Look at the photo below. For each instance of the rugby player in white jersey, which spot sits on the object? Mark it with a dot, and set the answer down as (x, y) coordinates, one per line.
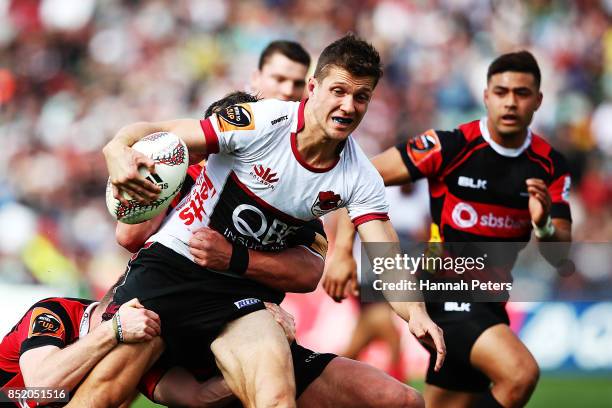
(274, 166)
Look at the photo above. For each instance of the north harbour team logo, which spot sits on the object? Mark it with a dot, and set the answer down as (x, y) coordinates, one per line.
(326, 201)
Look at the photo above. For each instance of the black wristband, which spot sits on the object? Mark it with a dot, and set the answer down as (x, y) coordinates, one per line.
(239, 262)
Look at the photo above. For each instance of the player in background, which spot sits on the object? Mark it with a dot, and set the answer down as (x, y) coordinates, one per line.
(281, 71)
(339, 94)
(490, 180)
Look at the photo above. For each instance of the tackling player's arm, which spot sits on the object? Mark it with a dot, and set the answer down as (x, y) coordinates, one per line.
(123, 161)
(133, 236)
(49, 364)
(295, 269)
(419, 322)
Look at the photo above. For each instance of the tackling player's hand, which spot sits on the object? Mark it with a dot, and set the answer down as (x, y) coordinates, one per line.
(427, 332)
(210, 249)
(539, 201)
(138, 324)
(340, 270)
(284, 318)
(123, 163)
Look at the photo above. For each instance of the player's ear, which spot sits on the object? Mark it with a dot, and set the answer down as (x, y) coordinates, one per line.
(312, 84)
(540, 98)
(485, 96)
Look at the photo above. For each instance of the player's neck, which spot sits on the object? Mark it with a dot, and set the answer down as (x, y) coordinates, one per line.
(314, 146)
(512, 141)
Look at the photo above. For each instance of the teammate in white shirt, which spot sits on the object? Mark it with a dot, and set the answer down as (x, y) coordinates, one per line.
(276, 165)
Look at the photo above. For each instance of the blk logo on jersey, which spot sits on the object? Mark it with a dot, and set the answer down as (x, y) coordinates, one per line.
(44, 322)
(423, 146)
(264, 175)
(456, 307)
(326, 201)
(236, 117)
(469, 182)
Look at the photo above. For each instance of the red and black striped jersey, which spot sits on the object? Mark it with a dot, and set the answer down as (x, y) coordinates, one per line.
(477, 187)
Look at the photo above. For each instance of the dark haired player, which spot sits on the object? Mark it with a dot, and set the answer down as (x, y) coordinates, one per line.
(482, 172)
(281, 71)
(319, 169)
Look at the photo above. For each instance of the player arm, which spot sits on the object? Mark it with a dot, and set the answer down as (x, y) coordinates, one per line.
(295, 269)
(419, 323)
(551, 217)
(123, 161)
(44, 362)
(133, 236)
(51, 366)
(391, 167)
(340, 268)
(292, 270)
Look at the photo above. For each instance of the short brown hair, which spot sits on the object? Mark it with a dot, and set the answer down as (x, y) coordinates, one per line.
(356, 56)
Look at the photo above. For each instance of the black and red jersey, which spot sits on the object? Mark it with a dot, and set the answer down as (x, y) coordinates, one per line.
(477, 187)
(55, 322)
(49, 322)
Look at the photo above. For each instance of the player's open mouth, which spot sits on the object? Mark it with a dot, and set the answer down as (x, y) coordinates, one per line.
(342, 121)
(509, 118)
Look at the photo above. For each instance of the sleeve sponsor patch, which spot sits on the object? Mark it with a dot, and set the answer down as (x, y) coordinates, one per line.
(421, 147)
(236, 117)
(43, 322)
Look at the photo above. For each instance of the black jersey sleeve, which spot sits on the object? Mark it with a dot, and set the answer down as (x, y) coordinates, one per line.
(428, 154)
(312, 236)
(49, 325)
(559, 187)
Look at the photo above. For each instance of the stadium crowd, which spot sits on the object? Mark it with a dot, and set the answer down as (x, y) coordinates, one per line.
(72, 72)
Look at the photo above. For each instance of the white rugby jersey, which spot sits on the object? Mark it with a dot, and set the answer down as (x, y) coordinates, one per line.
(257, 190)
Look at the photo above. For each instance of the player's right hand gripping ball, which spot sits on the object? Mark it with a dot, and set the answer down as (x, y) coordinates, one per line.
(171, 161)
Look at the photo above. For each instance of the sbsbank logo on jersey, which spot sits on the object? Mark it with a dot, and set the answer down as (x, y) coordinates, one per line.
(465, 216)
(257, 231)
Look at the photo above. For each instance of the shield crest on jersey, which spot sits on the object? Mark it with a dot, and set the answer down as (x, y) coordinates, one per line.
(326, 201)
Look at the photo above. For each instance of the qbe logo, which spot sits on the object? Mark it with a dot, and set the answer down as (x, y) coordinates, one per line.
(464, 215)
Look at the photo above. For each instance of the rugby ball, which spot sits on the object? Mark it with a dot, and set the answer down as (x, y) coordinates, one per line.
(171, 161)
